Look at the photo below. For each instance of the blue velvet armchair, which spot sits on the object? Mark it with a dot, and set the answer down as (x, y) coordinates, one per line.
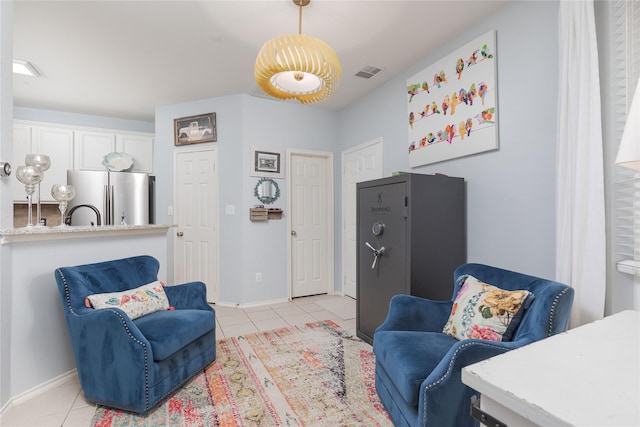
(418, 367)
(134, 364)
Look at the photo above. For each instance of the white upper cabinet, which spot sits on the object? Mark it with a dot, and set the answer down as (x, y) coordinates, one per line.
(57, 143)
(140, 147)
(74, 147)
(92, 146)
(21, 147)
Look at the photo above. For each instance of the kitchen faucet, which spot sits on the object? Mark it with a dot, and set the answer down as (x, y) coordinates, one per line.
(67, 219)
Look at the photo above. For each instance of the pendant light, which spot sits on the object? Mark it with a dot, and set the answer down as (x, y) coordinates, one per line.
(298, 66)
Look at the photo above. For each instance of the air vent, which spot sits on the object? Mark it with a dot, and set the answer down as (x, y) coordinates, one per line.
(258, 92)
(368, 71)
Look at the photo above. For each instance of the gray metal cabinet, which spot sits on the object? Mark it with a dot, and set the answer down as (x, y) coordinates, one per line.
(411, 235)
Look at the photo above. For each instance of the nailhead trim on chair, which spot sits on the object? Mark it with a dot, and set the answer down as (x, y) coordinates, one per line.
(553, 310)
(66, 290)
(446, 374)
(124, 323)
(453, 357)
(144, 347)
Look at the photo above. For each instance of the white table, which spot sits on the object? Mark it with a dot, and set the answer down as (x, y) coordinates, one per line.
(588, 376)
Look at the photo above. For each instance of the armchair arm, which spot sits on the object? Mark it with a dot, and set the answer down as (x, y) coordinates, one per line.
(107, 345)
(444, 383)
(191, 295)
(411, 313)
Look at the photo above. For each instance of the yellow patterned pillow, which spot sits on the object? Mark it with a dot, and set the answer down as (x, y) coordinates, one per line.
(486, 312)
(136, 302)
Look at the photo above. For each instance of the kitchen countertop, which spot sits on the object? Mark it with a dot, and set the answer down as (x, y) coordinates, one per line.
(30, 234)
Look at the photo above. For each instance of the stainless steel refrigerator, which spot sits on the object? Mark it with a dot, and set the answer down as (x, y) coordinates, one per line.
(119, 198)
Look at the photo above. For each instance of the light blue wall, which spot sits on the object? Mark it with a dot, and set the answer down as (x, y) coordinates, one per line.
(282, 125)
(85, 120)
(245, 247)
(229, 145)
(510, 192)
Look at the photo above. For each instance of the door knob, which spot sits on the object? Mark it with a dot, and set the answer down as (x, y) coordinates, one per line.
(293, 233)
(180, 233)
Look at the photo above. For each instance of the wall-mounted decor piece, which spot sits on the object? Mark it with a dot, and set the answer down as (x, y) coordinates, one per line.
(452, 104)
(195, 129)
(264, 214)
(266, 162)
(266, 190)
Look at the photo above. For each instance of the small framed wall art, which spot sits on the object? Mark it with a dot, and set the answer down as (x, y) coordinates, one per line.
(267, 162)
(195, 129)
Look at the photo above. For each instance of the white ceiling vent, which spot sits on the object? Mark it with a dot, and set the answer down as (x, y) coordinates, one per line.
(258, 92)
(368, 71)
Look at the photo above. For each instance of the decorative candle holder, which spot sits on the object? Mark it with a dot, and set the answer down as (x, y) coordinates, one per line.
(29, 176)
(43, 162)
(63, 193)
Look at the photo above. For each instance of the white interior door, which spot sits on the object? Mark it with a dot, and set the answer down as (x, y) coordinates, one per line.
(359, 164)
(311, 223)
(196, 216)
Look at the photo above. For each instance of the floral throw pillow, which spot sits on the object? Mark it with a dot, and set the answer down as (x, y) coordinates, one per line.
(486, 312)
(135, 302)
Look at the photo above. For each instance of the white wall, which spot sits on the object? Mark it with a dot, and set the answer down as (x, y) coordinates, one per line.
(620, 285)
(510, 192)
(6, 210)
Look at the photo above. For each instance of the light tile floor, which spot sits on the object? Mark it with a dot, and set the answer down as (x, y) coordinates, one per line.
(65, 405)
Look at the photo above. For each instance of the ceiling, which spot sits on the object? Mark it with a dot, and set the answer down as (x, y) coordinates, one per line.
(123, 58)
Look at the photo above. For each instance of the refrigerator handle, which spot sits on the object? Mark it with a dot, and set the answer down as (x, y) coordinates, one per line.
(112, 216)
(107, 202)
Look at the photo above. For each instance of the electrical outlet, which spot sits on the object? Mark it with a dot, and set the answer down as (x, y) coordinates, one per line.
(258, 277)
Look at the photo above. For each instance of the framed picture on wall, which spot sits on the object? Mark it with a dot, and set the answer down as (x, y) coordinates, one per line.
(195, 129)
(267, 162)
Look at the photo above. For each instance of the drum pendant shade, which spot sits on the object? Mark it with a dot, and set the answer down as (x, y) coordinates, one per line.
(295, 66)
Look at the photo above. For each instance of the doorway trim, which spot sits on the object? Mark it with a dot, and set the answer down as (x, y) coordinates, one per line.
(215, 208)
(376, 142)
(328, 156)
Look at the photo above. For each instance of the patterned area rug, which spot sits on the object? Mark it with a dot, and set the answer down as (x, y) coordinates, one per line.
(312, 375)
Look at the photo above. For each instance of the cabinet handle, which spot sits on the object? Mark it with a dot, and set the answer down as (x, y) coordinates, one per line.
(180, 234)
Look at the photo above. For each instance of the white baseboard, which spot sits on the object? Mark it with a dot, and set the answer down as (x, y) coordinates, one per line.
(39, 389)
(268, 302)
(256, 304)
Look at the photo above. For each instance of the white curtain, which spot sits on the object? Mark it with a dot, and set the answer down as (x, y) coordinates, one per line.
(580, 210)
